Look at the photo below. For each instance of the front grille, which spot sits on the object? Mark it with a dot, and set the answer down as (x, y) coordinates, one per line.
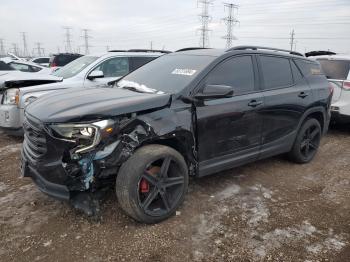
(34, 144)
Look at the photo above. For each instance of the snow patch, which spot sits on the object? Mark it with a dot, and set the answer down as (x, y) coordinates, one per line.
(3, 186)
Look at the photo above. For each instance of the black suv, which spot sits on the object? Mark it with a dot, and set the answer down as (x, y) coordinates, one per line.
(60, 60)
(191, 113)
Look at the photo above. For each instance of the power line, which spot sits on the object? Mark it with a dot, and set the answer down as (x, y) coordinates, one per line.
(205, 18)
(25, 47)
(68, 39)
(86, 40)
(230, 22)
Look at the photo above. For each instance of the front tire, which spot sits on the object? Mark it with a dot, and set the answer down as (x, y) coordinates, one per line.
(307, 142)
(152, 183)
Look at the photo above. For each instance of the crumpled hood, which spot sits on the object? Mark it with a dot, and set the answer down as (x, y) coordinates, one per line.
(10, 79)
(85, 104)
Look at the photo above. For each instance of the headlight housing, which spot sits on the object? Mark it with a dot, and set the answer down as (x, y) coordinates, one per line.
(85, 136)
(11, 97)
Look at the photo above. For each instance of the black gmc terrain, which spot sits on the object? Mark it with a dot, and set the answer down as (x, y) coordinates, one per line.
(189, 113)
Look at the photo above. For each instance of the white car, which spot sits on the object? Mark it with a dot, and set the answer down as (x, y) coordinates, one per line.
(337, 70)
(43, 60)
(25, 66)
(86, 71)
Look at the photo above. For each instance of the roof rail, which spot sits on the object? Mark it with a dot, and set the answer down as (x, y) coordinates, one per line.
(116, 50)
(149, 51)
(191, 48)
(245, 47)
(317, 53)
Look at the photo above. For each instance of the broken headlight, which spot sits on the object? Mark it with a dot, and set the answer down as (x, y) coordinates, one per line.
(85, 136)
(11, 97)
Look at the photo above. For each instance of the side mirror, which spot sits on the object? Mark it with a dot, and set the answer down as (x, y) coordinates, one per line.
(215, 91)
(96, 74)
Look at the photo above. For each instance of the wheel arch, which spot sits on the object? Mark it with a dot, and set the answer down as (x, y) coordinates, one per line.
(319, 113)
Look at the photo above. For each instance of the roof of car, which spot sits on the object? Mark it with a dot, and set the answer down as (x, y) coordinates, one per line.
(112, 54)
(219, 52)
(333, 57)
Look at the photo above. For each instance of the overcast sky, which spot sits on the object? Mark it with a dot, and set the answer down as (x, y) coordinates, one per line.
(318, 24)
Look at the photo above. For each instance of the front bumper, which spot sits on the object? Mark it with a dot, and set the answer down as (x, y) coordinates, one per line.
(54, 190)
(11, 117)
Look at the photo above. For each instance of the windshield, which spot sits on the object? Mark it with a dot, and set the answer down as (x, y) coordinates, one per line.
(335, 69)
(167, 74)
(75, 67)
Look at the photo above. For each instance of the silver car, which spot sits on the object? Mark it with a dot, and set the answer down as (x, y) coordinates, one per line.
(87, 71)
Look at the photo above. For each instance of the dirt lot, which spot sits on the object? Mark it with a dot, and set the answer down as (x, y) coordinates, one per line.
(271, 210)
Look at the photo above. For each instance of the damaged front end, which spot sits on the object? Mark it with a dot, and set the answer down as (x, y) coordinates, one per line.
(84, 158)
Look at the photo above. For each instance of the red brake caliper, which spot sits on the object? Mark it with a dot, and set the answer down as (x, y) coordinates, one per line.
(144, 186)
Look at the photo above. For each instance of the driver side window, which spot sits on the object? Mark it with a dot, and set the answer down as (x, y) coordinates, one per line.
(114, 67)
(236, 72)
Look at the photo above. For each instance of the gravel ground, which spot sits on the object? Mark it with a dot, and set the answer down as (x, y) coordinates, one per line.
(271, 210)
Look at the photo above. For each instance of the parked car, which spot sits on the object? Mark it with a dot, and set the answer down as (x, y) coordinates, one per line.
(4, 67)
(43, 60)
(337, 70)
(190, 113)
(59, 60)
(25, 66)
(87, 71)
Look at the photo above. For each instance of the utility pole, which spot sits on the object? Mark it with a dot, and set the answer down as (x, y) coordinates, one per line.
(68, 39)
(230, 22)
(107, 48)
(151, 43)
(38, 48)
(15, 49)
(2, 46)
(86, 40)
(205, 18)
(292, 39)
(25, 47)
(58, 49)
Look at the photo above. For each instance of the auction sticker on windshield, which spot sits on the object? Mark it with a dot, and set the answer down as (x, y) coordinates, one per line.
(185, 72)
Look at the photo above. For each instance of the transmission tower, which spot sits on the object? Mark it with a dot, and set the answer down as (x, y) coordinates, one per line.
(15, 49)
(25, 47)
(2, 47)
(230, 22)
(205, 18)
(68, 39)
(38, 48)
(292, 39)
(86, 40)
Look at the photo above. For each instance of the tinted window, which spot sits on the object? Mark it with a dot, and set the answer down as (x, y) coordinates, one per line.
(42, 60)
(308, 68)
(335, 69)
(296, 72)
(114, 67)
(276, 71)
(75, 67)
(62, 60)
(21, 67)
(5, 67)
(169, 73)
(137, 62)
(237, 72)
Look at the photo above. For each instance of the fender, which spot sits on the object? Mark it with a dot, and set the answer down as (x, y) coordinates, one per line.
(317, 109)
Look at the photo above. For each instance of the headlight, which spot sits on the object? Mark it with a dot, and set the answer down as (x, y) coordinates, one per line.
(11, 97)
(85, 136)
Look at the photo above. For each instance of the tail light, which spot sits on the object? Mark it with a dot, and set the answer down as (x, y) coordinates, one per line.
(53, 64)
(346, 85)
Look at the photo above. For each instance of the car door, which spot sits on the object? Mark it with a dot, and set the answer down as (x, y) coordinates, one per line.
(112, 68)
(229, 129)
(287, 96)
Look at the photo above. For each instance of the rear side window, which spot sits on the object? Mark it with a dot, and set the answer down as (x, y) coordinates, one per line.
(309, 68)
(5, 67)
(276, 71)
(137, 62)
(237, 72)
(42, 60)
(335, 69)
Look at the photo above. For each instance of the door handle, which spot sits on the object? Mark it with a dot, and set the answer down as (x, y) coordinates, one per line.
(255, 103)
(303, 94)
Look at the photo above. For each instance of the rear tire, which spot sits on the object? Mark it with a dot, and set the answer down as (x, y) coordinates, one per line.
(152, 183)
(307, 142)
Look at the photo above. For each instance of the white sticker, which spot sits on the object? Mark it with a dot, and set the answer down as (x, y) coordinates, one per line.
(185, 72)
